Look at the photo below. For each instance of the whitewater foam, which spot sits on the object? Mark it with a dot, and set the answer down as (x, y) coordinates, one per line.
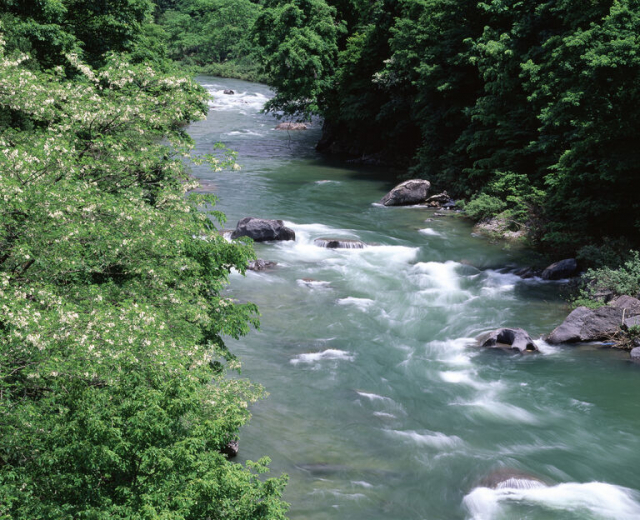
(592, 499)
(329, 354)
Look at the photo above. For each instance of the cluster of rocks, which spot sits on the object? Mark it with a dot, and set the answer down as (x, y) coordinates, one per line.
(557, 271)
(583, 325)
(414, 192)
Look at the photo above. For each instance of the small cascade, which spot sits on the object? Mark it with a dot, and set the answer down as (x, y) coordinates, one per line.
(339, 243)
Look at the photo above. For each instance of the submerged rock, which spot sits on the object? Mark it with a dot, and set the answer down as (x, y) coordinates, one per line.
(509, 478)
(563, 269)
(514, 339)
(228, 91)
(414, 191)
(527, 272)
(585, 324)
(260, 265)
(262, 230)
(291, 126)
(339, 243)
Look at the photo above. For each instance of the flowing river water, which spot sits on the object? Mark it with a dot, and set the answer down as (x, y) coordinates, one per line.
(379, 408)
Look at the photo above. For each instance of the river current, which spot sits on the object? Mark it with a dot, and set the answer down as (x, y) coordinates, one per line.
(379, 406)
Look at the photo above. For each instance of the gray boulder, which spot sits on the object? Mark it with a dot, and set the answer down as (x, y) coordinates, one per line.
(585, 324)
(228, 91)
(261, 230)
(414, 191)
(635, 354)
(562, 269)
(291, 126)
(631, 304)
(439, 200)
(514, 339)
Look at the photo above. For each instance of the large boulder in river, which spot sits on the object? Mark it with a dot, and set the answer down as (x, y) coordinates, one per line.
(261, 230)
(562, 269)
(635, 355)
(414, 191)
(515, 339)
(585, 324)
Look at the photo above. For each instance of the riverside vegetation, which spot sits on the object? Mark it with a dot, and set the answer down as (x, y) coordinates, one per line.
(525, 109)
(114, 395)
(113, 390)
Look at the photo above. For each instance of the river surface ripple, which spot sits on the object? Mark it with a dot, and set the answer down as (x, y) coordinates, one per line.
(378, 406)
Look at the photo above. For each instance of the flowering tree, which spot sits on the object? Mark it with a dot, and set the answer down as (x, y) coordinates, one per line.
(113, 396)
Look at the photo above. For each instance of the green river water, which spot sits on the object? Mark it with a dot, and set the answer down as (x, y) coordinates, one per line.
(379, 408)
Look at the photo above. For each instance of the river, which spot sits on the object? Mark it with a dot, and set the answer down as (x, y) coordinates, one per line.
(378, 408)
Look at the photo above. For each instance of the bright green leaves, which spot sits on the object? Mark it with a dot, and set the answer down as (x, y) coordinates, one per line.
(114, 397)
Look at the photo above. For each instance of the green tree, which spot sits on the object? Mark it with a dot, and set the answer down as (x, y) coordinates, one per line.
(299, 43)
(114, 399)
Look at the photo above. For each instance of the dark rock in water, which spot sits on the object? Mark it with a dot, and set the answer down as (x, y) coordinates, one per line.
(231, 449)
(228, 91)
(585, 324)
(339, 243)
(262, 230)
(635, 354)
(562, 269)
(515, 339)
(449, 205)
(291, 126)
(323, 468)
(439, 200)
(509, 478)
(260, 265)
(527, 272)
(414, 191)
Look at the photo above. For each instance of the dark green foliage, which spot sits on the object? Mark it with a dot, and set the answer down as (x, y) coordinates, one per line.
(48, 29)
(201, 32)
(298, 39)
(476, 91)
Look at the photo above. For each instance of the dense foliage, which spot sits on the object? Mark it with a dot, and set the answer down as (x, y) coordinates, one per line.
(476, 94)
(212, 35)
(114, 395)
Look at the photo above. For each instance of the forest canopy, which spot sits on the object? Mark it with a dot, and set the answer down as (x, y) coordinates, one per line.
(524, 107)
